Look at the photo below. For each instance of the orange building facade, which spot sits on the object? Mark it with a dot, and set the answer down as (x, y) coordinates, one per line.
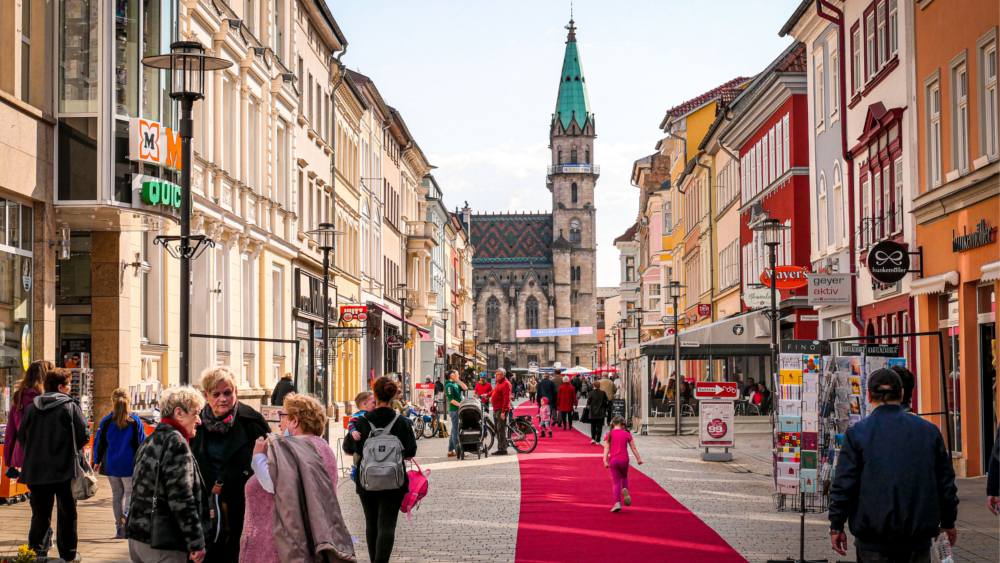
(957, 211)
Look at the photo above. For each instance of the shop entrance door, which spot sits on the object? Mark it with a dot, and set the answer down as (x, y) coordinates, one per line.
(988, 388)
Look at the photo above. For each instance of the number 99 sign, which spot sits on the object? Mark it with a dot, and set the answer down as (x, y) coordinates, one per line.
(715, 423)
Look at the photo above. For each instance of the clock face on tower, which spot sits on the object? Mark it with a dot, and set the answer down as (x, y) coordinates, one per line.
(574, 224)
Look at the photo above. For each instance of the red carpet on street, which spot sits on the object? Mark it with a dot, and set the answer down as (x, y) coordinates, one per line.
(566, 501)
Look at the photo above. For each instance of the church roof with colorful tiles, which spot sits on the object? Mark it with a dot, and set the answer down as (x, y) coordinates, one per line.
(512, 239)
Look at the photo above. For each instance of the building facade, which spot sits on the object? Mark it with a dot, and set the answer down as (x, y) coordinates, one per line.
(537, 271)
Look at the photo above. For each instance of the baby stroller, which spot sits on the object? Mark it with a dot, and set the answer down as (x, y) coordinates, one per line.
(471, 429)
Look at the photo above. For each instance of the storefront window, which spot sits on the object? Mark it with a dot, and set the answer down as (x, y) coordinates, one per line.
(78, 158)
(948, 325)
(126, 58)
(159, 26)
(15, 316)
(73, 275)
(78, 56)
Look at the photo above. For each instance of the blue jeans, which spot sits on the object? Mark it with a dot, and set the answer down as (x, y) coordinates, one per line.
(453, 438)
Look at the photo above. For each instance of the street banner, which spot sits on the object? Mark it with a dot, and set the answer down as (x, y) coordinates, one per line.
(716, 424)
(829, 289)
(543, 332)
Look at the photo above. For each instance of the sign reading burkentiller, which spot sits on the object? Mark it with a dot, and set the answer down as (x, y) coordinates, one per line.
(829, 289)
(888, 261)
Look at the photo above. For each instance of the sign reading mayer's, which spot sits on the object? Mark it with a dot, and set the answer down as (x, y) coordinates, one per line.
(153, 142)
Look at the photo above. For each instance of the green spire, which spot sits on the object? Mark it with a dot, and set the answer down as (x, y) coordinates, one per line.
(572, 100)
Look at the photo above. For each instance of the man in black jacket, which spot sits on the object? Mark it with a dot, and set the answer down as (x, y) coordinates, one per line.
(894, 482)
(283, 387)
(547, 390)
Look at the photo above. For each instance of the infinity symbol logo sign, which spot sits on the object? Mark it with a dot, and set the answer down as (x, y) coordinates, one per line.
(882, 258)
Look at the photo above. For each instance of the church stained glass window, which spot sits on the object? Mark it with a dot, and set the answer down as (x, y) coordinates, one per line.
(531, 312)
(493, 318)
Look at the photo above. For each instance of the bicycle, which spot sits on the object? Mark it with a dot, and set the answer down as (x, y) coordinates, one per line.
(521, 433)
(419, 418)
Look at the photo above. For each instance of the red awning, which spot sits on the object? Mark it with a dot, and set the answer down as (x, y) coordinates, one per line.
(419, 328)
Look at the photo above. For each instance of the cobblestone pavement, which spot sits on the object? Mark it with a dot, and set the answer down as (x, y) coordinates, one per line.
(472, 511)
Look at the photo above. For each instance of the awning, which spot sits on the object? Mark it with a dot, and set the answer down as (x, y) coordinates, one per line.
(991, 272)
(392, 313)
(734, 336)
(933, 284)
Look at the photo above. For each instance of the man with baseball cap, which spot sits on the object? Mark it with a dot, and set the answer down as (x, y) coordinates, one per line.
(894, 482)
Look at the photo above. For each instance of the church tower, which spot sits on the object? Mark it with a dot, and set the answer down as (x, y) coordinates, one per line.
(571, 179)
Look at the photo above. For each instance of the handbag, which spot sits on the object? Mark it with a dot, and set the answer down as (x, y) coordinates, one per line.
(585, 417)
(84, 484)
(576, 416)
(164, 532)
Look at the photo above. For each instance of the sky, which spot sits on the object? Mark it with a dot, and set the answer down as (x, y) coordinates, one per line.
(476, 83)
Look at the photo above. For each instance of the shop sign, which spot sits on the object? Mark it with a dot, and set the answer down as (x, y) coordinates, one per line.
(888, 262)
(828, 289)
(161, 192)
(150, 141)
(738, 330)
(852, 350)
(26, 274)
(690, 344)
(354, 312)
(309, 294)
(26, 347)
(715, 424)
(882, 350)
(786, 277)
(395, 342)
(545, 332)
(704, 310)
(880, 290)
(801, 347)
(713, 390)
(757, 298)
(439, 336)
(982, 235)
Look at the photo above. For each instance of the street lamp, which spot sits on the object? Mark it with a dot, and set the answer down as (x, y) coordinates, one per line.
(675, 293)
(326, 240)
(445, 313)
(187, 62)
(496, 354)
(637, 315)
(607, 349)
(463, 326)
(401, 289)
(770, 231)
(475, 336)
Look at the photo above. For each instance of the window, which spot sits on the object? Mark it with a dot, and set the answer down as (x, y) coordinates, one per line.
(654, 297)
(152, 290)
(248, 298)
(26, 51)
(668, 226)
(866, 214)
(278, 37)
(277, 306)
(221, 289)
(629, 269)
(281, 164)
(229, 151)
(559, 157)
(822, 238)
(870, 44)
(988, 142)
(887, 211)
(572, 156)
(820, 96)
(493, 318)
(893, 28)
(838, 207)
(933, 105)
(787, 146)
(587, 153)
(882, 43)
(960, 116)
(574, 193)
(834, 84)
(897, 176)
(779, 149)
(877, 205)
(531, 312)
(248, 16)
(253, 164)
(856, 62)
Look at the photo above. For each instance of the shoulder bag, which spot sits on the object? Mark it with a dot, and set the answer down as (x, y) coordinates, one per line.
(84, 484)
(164, 532)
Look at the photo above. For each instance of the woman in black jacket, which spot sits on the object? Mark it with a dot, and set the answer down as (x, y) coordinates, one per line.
(48, 431)
(224, 448)
(381, 507)
(597, 404)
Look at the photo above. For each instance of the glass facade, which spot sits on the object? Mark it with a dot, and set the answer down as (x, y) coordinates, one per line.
(16, 279)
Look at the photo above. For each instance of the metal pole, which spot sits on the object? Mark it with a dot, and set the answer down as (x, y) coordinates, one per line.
(327, 383)
(677, 372)
(186, 132)
(406, 339)
(445, 340)
(773, 259)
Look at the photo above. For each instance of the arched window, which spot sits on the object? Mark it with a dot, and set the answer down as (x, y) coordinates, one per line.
(587, 153)
(578, 276)
(823, 235)
(559, 157)
(838, 207)
(531, 312)
(572, 274)
(572, 156)
(574, 193)
(493, 318)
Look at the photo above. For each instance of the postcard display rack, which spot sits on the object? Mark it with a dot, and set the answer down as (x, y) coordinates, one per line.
(81, 388)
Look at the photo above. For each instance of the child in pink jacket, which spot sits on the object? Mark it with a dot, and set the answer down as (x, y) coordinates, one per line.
(545, 418)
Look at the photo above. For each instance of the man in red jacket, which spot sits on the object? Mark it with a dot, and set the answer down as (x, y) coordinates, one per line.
(566, 404)
(501, 406)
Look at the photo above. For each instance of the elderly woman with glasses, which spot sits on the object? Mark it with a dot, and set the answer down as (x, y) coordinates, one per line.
(182, 523)
(224, 448)
(294, 485)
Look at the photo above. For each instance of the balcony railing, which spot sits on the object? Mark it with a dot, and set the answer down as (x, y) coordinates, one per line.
(575, 169)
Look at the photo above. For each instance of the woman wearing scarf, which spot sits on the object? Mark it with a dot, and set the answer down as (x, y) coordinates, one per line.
(224, 448)
(293, 515)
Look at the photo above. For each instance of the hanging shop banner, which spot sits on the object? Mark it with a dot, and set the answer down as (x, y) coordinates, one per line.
(543, 332)
(151, 141)
(354, 312)
(758, 298)
(829, 289)
(787, 277)
(882, 350)
(715, 424)
(888, 261)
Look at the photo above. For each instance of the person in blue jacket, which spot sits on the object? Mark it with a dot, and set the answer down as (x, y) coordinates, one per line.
(117, 441)
(894, 481)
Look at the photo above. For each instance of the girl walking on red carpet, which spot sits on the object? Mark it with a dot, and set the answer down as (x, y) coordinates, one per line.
(616, 445)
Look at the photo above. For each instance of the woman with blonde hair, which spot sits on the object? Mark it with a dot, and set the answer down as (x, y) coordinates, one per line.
(118, 437)
(295, 485)
(27, 389)
(224, 448)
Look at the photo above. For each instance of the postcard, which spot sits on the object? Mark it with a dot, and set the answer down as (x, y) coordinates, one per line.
(788, 486)
(841, 410)
(789, 457)
(791, 377)
(854, 419)
(790, 423)
(788, 471)
(791, 392)
(790, 362)
(810, 382)
(810, 441)
(810, 421)
(789, 408)
(810, 363)
(856, 385)
(810, 401)
(855, 405)
(808, 480)
(789, 439)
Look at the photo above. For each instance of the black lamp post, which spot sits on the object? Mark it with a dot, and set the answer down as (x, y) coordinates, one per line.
(475, 337)
(496, 354)
(770, 230)
(637, 316)
(445, 313)
(187, 62)
(675, 294)
(463, 326)
(402, 289)
(326, 240)
(607, 349)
